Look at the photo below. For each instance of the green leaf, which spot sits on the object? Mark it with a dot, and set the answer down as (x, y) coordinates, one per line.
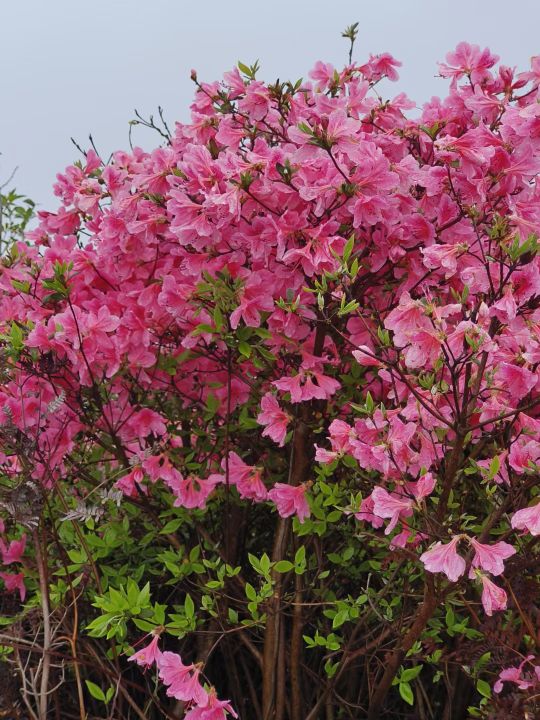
(189, 606)
(347, 250)
(339, 618)
(411, 673)
(251, 593)
(244, 349)
(494, 467)
(405, 690)
(483, 688)
(283, 566)
(95, 691)
(244, 68)
(171, 527)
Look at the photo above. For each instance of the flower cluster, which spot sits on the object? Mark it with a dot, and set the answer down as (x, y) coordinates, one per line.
(304, 291)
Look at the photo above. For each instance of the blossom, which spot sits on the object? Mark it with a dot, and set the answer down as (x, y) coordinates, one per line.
(275, 419)
(424, 486)
(445, 559)
(247, 478)
(14, 581)
(182, 680)
(147, 655)
(527, 519)
(491, 557)
(517, 381)
(14, 552)
(366, 513)
(493, 597)
(192, 491)
(390, 506)
(214, 709)
(469, 60)
(516, 675)
(308, 385)
(290, 500)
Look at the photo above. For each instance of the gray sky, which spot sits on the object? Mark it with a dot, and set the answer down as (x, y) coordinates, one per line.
(71, 67)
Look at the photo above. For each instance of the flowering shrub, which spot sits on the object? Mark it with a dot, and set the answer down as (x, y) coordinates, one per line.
(270, 401)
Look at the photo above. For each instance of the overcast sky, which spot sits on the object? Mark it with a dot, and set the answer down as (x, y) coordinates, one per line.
(70, 68)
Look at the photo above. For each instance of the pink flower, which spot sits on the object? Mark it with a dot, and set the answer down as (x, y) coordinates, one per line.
(491, 557)
(308, 385)
(517, 381)
(379, 66)
(131, 483)
(183, 680)
(390, 506)
(146, 422)
(468, 60)
(528, 519)
(365, 356)
(323, 73)
(515, 675)
(444, 558)
(14, 552)
(275, 419)
(290, 499)
(366, 514)
(423, 487)
(247, 478)
(193, 492)
(214, 709)
(493, 597)
(147, 655)
(443, 257)
(14, 582)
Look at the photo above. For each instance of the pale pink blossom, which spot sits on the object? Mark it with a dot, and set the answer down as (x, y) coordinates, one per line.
(491, 557)
(182, 680)
(445, 559)
(527, 519)
(493, 597)
(392, 506)
(147, 655)
(517, 676)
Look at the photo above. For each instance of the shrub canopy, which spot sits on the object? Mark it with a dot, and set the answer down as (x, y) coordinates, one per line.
(270, 395)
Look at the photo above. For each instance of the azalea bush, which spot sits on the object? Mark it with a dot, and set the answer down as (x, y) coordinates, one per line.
(270, 421)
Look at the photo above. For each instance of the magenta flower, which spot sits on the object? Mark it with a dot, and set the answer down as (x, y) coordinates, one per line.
(491, 557)
(275, 419)
(445, 559)
(14, 552)
(14, 581)
(308, 385)
(214, 709)
(493, 597)
(290, 499)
